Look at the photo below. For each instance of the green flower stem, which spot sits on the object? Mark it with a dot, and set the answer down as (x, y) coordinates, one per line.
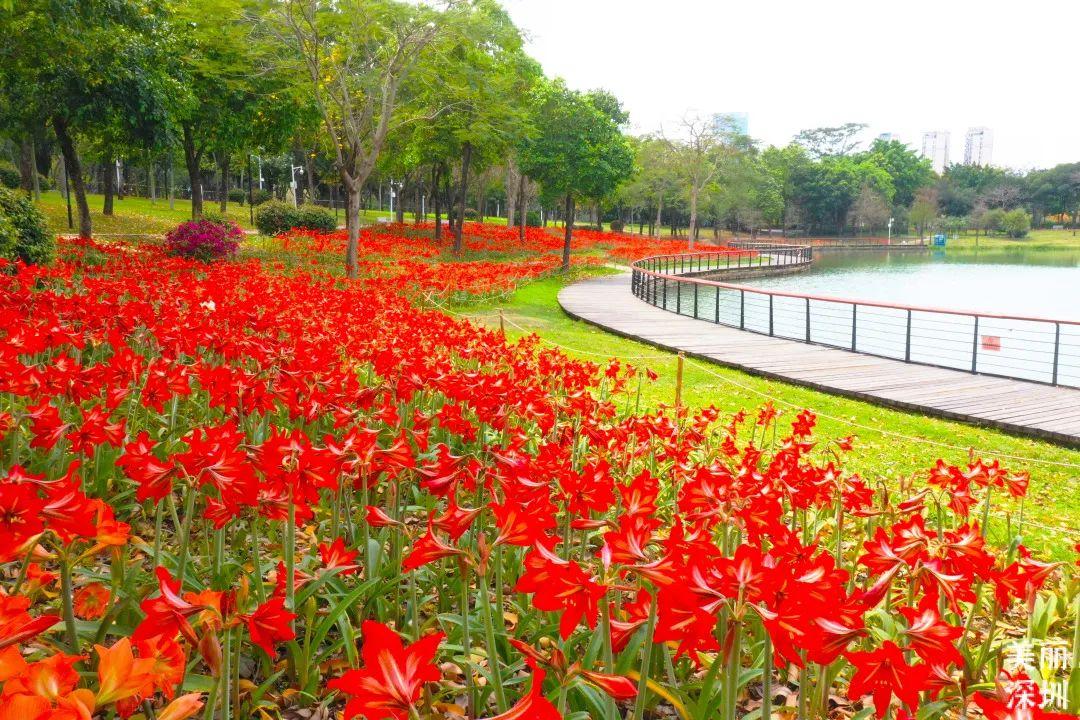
(766, 676)
(68, 594)
(185, 533)
(609, 655)
(646, 661)
(492, 649)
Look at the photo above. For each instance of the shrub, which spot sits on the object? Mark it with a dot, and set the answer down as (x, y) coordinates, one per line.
(617, 226)
(532, 218)
(259, 196)
(24, 233)
(9, 175)
(471, 214)
(206, 239)
(313, 217)
(237, 195)
(274, 217)
(1016, 223)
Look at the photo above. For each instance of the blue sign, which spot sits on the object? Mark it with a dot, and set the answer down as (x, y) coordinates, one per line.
(939, 240)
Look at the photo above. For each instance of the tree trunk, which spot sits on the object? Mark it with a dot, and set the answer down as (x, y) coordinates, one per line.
(599, 219)
(26, 165)
(151, 181)
(121, 172)
(223, 183)
(511, 188)
(352, 223)
(73, 168)
(418, 199)
(109, 177)
(523, 211)
(435, 198)
(691, 231)
(35, 179)
(568, 223)
(399, 211)
(466, 157)
(654, 230)
(192, 157)
(309, 170)
(169, 187)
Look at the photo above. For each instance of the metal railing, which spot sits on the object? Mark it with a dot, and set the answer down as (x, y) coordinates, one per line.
(1040, 349)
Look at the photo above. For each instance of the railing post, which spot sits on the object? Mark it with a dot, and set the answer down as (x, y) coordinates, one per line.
(717, 305)
(907, 339)
(742, 309)
(678, 297)
(770, 314)
(665, 292)
(695, 300)
(807, 319)
(975, 346)
(854, 316)
(1057, 349)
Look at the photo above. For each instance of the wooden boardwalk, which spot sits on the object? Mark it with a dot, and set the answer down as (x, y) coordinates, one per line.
(1017, 406)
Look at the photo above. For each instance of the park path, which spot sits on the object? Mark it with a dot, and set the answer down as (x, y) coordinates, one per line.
(1016, 406)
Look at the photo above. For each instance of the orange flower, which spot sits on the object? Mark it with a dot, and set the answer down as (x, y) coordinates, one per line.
(182, 707)
(91, 601)
(120, 674)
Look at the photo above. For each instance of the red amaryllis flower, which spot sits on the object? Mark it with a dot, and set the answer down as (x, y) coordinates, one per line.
(561, 586)
(270, 623)
(336, 557)
(168, 613)
(428, 549)
(16, 624)
(393, 675)
(883, 673)
(533, 706)
(931, 637)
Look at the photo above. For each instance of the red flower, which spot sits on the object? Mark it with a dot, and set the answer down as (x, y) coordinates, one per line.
(270, 623)
(393, 675)
(883, 673)
(533, 706)
(561, 586)
(336, 557)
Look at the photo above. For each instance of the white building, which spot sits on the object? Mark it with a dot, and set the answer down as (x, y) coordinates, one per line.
(978, 146)
(935, 145)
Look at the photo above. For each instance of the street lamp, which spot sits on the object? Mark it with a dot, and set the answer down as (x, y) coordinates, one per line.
(292, 184)
(890, 230)
(392, 196)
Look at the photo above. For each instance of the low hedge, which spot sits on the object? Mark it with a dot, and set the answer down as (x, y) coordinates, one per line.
(274, 217)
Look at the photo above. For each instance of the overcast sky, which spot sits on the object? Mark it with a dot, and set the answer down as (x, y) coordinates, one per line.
(901, 67)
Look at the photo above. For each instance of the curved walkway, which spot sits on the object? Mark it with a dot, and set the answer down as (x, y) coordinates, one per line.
(1017, 406)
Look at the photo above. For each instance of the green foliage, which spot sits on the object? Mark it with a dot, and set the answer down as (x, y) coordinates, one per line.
(577, 149)
(259, 196)
(274, 217)
(532, 218)
(9, 175)
(1016, 223)
(24, 234)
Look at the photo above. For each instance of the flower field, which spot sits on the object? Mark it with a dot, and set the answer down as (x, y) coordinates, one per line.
(251, 488)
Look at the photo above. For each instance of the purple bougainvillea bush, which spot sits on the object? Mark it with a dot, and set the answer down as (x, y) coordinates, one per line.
(205, 240)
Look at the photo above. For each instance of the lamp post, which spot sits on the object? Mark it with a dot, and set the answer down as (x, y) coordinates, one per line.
(392, 196)
(292, 183)
(890, 230)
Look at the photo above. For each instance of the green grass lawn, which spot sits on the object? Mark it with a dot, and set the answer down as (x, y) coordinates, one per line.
(1036, 240)
(1054, 499)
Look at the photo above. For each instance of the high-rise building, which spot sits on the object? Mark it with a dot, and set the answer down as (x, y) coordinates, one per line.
(978, 146)
(887, 136)
(738, 122)
(935, 145)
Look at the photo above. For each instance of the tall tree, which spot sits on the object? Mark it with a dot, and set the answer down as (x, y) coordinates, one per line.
(697, 156)
(355, 55)
(576, 152)
(831, 141)
(81, 65)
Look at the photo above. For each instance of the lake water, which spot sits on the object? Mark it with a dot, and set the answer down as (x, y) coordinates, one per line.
(1042, 284)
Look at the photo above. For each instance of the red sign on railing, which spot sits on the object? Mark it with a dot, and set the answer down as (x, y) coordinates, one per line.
(991, 342)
